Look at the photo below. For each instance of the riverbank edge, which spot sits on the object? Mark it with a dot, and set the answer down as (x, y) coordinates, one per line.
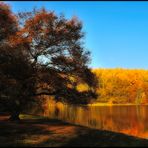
(63, 134)
(100, 104)
(110, 104)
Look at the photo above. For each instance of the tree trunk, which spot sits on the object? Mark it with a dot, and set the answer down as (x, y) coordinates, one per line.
(14, 116)
(15, 112)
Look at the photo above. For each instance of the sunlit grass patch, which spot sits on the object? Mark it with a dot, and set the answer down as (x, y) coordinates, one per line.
(27, 116)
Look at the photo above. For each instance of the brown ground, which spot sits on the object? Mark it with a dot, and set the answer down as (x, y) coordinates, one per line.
(37, 131)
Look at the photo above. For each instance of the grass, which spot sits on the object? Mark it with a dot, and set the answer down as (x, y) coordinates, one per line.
(39, 131)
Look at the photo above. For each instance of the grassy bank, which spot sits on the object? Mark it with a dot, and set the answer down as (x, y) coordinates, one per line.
(39, 131)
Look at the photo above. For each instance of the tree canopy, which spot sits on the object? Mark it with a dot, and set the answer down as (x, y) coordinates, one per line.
(42, 54)
(122, 86)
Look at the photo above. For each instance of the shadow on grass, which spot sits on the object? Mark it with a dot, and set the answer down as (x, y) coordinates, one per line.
(85, 137)
(96, 138)
(54, 133)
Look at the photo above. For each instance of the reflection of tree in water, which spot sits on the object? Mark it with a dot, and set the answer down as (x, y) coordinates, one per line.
(122, 119)
(57, 111)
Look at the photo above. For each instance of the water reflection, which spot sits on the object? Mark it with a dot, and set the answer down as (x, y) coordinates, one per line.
(131, 120)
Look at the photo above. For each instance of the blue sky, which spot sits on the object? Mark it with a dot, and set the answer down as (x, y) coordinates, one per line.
(116, 32)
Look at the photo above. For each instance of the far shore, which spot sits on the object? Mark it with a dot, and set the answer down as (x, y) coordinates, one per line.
(111, 104)
(104, 104)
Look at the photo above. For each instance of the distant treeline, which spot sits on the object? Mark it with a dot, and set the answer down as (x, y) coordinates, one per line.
(122, 86)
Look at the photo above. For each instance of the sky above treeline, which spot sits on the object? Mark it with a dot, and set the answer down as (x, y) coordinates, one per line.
(116, 33)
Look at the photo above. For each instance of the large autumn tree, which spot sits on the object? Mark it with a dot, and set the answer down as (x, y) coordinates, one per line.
(42, 54)
(15, 66)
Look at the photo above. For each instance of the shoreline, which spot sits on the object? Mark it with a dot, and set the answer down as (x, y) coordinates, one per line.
(101, 104)
(109, 104)
(40, 131)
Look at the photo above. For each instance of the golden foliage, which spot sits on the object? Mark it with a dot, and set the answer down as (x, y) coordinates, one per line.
(122, 85)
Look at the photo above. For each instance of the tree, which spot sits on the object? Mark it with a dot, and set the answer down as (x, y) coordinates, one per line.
(8, 59)
(45, 56)
(8, 22)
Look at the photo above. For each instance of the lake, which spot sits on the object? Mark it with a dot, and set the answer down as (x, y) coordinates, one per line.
(131, 120)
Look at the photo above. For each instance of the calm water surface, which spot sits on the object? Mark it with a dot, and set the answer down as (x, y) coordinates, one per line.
(132, 120)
